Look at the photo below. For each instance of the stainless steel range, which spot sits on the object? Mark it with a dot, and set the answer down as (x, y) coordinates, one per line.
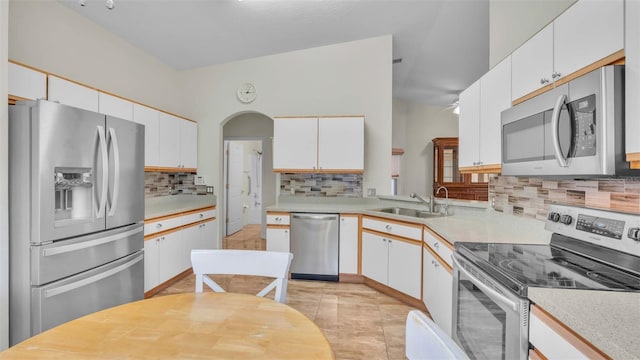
(589, 249)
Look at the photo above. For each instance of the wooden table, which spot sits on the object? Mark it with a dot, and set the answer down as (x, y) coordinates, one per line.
(184, 326)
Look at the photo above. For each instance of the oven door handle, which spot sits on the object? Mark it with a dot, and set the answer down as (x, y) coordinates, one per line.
(484, 287)
(555, 130)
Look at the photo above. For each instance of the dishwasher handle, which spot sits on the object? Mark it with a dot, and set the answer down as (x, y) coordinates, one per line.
(319, 217)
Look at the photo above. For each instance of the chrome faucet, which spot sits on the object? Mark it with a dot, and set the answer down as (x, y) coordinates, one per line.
(431, 202)
(446, 204)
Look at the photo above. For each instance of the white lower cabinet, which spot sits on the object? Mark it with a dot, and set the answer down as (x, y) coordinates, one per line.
(348, 258)
(392, 262)
(278, 239)
(207, 235)
(437, 290)
(151, 276)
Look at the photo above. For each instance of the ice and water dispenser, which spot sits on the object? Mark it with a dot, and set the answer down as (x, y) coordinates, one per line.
(73, 194)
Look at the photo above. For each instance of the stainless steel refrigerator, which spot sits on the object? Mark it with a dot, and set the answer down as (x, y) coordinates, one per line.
(76, 183)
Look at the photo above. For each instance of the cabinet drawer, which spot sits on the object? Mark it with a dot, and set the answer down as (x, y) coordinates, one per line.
(198, 216)
(394, 228)
(439, 246)
(278, 219)
(163, 225)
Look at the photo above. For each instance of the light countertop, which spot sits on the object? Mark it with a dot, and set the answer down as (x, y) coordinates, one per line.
(608, 320)
(166, 205)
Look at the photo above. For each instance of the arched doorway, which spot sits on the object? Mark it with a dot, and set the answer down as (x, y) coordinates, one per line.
(247, 172)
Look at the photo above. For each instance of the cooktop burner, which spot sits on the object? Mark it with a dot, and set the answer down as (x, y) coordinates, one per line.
(589, 249)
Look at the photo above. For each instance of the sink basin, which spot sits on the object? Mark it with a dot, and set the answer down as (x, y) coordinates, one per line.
(408, 212)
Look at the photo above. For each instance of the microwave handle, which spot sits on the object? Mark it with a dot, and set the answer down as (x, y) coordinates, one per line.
(555, 125)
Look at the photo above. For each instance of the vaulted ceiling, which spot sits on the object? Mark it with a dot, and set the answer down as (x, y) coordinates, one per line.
(443, 44)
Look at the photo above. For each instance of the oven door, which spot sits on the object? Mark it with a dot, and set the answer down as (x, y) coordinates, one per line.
(489, 321)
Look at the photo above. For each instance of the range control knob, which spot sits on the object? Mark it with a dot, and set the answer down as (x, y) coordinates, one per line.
(554, 216)
(566, 219)
(634, 234)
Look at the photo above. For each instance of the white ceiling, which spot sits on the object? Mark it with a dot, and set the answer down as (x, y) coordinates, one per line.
(444, 44)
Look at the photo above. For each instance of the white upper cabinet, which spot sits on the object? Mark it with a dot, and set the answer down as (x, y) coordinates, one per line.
(495, 96)
(588, 31)
(72, 94)
(169, 141)
(178, 142)
(115, 106)
(532, 63)
(341, 143)
(632, 78)
(150, 119)
(295, 143)
(331, 144)
(469, 126)
(26, 83)
(189, 144)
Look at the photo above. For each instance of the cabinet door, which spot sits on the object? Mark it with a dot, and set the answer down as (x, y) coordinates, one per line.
(169, 140)
(26, 83)
(115, 106)
(587, 32)
(405, 267)
(341, 143)
(348, 261)
(151, 278)
(170, 256)
(295, 143)
(532, 63)
(551, 343)
(632, 77)
(72, 94)
(469, 125)
(495, 96)
(278, 240)
(189, 144)
(208, 235)
(437, 291)
(375, 257)
(150, 119)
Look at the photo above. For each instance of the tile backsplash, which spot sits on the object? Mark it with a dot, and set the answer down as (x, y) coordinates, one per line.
(530, 197)
(321, 185)
(163, 184)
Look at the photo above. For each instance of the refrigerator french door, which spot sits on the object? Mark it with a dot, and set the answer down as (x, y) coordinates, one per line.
(76, 211)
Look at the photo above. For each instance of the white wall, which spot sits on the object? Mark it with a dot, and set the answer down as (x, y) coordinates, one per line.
(512, 22)
(4, 181)
(419, 124)
(54, 38)
(352, 78)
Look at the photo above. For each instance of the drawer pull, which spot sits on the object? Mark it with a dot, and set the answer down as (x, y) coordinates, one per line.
(278, 218)
(158, 226)
(388, 227)
(436, 245)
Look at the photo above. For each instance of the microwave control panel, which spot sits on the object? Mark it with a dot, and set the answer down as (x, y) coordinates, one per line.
(583, 112)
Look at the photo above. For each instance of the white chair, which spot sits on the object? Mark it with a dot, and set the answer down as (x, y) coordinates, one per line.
(243, 262)
(425, 340)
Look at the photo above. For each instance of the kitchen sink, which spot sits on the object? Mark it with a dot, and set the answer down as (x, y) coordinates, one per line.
(408, 212)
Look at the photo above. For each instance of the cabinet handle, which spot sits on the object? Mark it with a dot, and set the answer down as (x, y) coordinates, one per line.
(436, 245)
(384, 240)
(434, 263)
(555, 75)
(544, 81)
(390, 241)
(201, 216)
(158, 226)
(278, 218)
(286, 231)
(388, 227)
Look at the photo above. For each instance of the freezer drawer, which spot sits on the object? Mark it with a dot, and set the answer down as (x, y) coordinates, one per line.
(116, 283)
(315, 246)
(68, 257)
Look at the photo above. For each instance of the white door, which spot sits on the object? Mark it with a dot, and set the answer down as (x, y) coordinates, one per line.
(234, 186)
(254, 197)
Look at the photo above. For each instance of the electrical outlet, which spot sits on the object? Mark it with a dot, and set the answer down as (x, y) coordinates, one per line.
(371, 192)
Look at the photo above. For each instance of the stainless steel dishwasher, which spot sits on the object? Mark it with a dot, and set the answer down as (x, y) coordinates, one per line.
(314, 244)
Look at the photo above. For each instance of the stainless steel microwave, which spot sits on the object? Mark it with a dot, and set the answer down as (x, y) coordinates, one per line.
(576, 129)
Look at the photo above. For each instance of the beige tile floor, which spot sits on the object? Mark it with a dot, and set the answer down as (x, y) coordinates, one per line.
(360, 322)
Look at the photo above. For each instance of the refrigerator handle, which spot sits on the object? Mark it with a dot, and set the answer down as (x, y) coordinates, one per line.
(105, 172)
(116, 176)
(91, 280)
